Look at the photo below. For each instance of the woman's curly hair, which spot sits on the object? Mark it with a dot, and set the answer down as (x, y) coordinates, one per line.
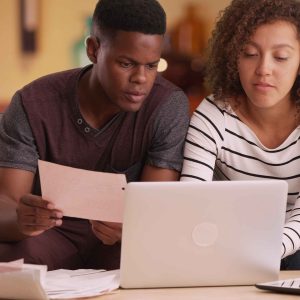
(233, 30)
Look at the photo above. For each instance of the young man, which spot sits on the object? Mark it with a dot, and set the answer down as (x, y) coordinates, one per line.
(116, 116)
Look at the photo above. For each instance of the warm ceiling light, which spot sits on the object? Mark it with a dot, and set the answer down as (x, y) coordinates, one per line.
(162, 65)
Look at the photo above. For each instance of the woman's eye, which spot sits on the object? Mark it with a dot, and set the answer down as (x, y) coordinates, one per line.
(250, 54)
(281, 58)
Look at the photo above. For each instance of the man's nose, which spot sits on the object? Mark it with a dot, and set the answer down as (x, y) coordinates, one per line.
(139, 75)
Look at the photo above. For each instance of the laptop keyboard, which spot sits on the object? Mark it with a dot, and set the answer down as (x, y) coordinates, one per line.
(291, 286)
(289, 283)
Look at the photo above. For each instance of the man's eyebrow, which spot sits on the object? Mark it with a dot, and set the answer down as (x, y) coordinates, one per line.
(136, 62)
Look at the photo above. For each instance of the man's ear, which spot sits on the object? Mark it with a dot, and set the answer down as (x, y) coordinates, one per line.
(92, 46)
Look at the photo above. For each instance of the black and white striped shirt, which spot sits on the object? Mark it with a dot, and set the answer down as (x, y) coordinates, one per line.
(220, 146)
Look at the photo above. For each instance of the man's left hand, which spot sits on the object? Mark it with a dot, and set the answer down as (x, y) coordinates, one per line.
(109, 233)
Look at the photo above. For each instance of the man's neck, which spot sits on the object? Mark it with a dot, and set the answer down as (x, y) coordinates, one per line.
(94, 104)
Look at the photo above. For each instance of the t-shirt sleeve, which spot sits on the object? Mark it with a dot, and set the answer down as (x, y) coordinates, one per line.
(204, 138)
(170, 127)
(17, 145)
(291, 237)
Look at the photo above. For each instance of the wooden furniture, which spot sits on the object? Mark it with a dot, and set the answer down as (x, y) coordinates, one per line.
(202, 293)
(3, 106)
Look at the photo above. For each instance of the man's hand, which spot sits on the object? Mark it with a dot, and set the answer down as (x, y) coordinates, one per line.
(35, 215)
(109, 233)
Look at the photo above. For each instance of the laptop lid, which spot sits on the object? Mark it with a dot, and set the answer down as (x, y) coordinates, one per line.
(178, 234)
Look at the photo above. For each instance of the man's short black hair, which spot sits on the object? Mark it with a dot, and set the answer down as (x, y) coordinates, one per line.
(144, 16)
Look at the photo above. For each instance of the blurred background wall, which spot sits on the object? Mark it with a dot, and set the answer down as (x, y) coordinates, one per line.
(43, 36)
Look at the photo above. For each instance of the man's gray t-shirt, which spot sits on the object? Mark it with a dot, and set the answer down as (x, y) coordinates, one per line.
(18, 147)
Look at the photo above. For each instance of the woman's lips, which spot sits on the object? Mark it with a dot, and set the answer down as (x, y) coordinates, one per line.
(262, 86)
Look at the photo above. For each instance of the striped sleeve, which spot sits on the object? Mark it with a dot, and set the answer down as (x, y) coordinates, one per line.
(204, 138)
(291, 236)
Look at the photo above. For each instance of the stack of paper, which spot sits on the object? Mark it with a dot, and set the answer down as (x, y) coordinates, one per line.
(25, 281)
(22, 281)
(69, 284)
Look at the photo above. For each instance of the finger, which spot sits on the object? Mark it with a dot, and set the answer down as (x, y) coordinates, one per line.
(102, 231)
(31, 231)
(39, 221)
(106, 233)
(36, 201)
(112, 225)
(102, 235)
(107, 240)
(34, 229)
(28, 227)
(103, 228)
(107, 226)
(29, 210)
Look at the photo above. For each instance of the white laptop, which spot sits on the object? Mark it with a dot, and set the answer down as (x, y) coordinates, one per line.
(178, 234)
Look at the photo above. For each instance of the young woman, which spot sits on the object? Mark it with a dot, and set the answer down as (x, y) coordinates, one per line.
(249, 128)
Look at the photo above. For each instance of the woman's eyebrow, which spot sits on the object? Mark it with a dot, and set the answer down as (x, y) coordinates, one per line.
(276, 46)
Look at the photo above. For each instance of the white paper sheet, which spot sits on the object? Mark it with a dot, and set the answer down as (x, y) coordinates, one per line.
(24, 281)
(83, 194)
(72, 284)
(21, 281)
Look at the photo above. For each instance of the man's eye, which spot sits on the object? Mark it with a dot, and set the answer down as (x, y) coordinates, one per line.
(152, 66)
(125, 64)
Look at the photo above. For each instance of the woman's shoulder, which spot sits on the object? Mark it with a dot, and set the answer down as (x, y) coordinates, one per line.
(210, 106)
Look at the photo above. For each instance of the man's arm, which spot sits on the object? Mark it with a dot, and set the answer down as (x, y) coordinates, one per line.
(21, 213)
(14, 183)
(151, 173)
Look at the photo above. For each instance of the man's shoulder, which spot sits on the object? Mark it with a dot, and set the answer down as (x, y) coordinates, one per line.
(165, 100)
(162, 92)
(163, 83)
(54, 83)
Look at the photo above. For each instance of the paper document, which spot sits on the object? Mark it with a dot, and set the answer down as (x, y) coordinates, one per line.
(72, 284)
(26, 281)
(22, 281)
(83, 194)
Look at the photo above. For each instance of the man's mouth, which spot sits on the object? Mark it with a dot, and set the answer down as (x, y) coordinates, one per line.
(135, 97)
